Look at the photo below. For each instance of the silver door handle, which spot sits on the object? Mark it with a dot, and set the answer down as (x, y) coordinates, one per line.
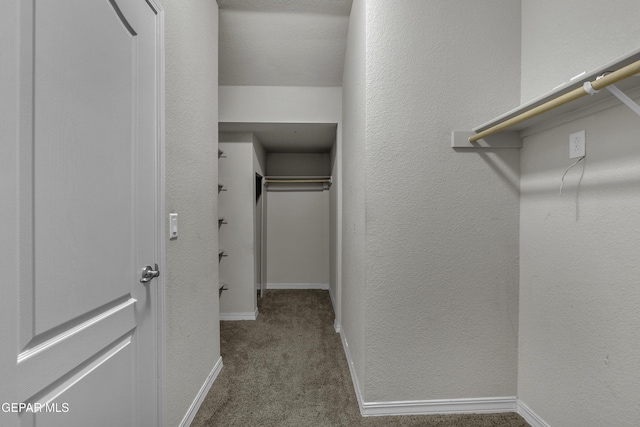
(149, 273)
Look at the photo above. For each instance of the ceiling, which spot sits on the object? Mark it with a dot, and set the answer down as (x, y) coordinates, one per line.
(288, 137)
(283, 43)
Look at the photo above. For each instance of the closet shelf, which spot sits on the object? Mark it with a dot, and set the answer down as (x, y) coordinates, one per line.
(563, 104)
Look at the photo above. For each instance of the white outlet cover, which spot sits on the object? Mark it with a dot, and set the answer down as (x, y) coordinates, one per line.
(577, 144)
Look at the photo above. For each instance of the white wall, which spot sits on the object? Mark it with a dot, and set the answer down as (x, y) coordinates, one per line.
(298, 223)
(561, 39)
(192, 329)
(354, 96)
(440, 243)
(579, 271)
(298, 230)
(237, 238)
(259, 157)
(335, 247)
(280, 104)
(299, 164)
(262, 39)
(259, 167)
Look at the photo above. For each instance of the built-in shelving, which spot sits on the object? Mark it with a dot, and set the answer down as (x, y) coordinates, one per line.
(564, 113)
(221, 220)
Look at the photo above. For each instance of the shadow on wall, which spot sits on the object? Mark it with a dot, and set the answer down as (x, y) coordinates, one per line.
(501, 161)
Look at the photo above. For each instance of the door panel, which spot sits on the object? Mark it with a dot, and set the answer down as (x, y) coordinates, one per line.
(88, 203)
(91, 394)
(52, 359)
(84, 148)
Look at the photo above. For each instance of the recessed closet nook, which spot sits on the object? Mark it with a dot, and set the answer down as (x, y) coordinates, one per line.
(274, 204)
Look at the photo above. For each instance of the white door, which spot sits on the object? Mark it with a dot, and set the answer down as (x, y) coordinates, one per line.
(87, 223)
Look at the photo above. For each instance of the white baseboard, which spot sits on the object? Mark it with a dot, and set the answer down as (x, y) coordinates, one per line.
(336, 324)
(193, 409)
(352, 370)
(323, 286)
(240, 316)
(426, 407)
(441, 406)
(529, 416)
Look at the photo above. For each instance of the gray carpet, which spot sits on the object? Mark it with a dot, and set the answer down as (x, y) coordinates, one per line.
(288, 368)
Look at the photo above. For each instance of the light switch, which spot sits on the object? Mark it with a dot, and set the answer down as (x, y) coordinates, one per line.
(173, 226)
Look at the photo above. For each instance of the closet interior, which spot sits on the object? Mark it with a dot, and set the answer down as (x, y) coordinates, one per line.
(274, 204)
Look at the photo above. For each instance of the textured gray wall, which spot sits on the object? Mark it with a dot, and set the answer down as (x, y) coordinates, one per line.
(353, 188)
(439, 280)
(298, 230)
(553, 50)
(579, 293)
(335, 229)
(298, 164)
(191, 114)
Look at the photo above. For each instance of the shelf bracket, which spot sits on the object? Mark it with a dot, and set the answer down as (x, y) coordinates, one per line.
(222, 288)
(509, 139)
(624, 98)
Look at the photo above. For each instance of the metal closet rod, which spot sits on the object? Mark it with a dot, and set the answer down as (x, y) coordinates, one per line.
(289, 181)
(601, 83)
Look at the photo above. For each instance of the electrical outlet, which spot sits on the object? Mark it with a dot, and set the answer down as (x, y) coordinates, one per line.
(577, 142)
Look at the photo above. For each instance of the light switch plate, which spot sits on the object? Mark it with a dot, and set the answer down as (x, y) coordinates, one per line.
(577, 143)
(173, 226)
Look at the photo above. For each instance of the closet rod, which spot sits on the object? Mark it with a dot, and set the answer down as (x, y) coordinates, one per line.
(596, 85)
(290, 181)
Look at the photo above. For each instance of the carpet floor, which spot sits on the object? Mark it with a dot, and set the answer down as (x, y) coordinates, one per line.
(288, 368)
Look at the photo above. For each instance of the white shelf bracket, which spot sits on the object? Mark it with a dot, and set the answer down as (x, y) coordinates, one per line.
(624, 98)
(460, 139)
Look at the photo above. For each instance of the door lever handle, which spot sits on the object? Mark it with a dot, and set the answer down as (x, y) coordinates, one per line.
(149, 273)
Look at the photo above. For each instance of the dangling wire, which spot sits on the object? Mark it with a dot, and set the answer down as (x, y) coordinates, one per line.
(568, 169)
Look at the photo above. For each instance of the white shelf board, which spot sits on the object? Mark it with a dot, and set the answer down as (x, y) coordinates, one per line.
(627, 85)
